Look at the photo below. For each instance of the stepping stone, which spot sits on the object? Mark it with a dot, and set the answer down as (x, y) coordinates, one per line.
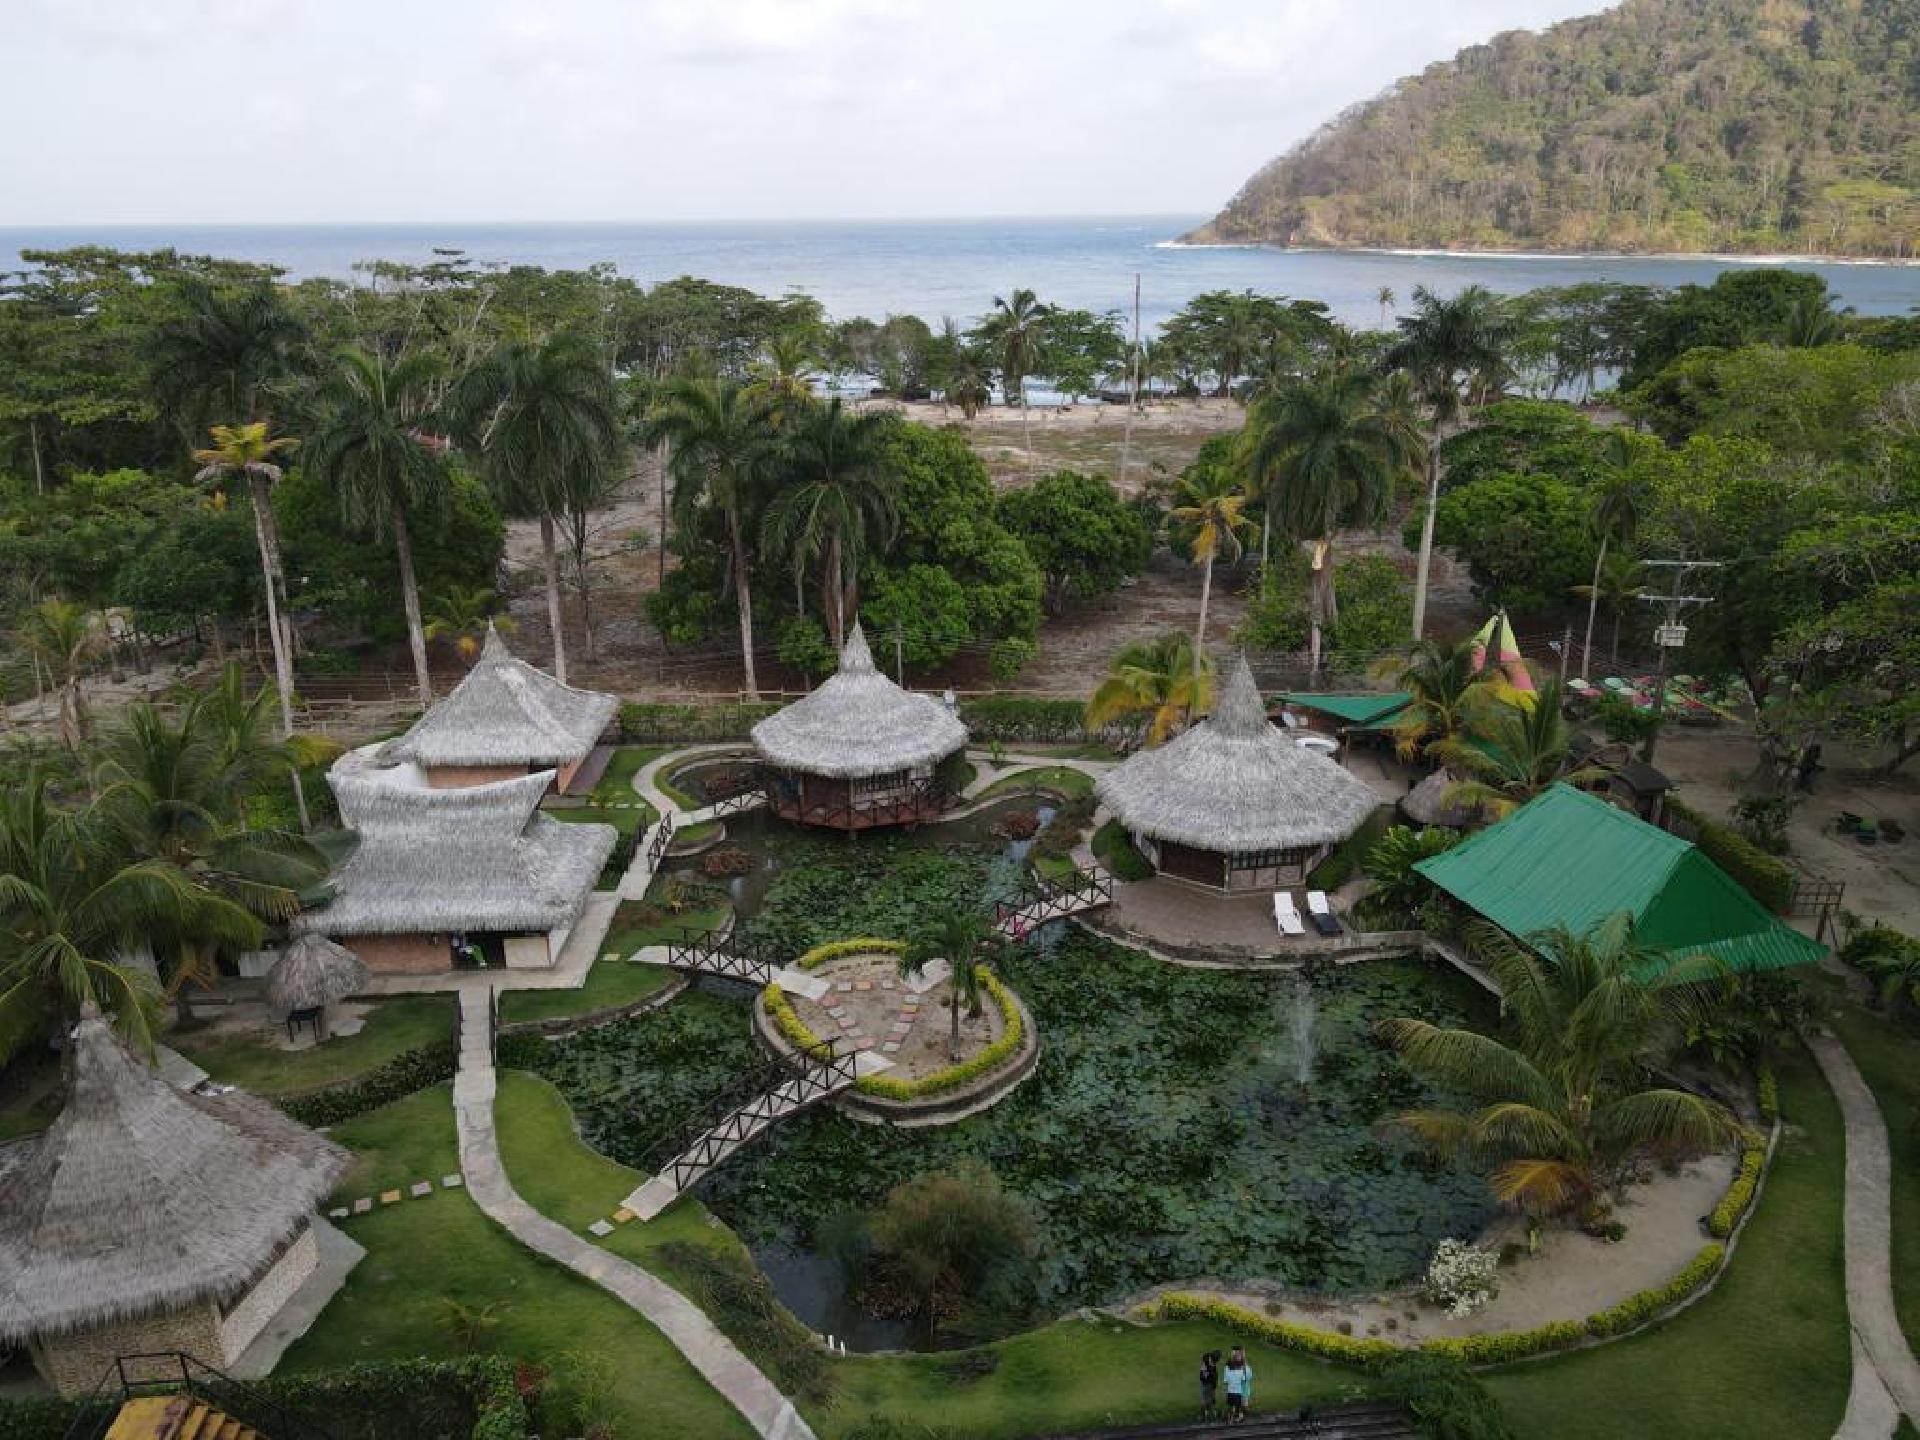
(610, 955)
(600, 1227)
(889, 984)
(890, 1047)
(623, 1215)
(389, 1197)
(425, 1187)
(863, 984)
(847, 1022)
(451, 1182)
(340, 1214)
(843, 985)
(362, 1206)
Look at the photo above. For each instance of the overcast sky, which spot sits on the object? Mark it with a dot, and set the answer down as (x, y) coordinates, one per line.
(151, 111)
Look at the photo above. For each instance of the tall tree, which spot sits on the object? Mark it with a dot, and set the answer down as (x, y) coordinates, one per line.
(1016, 328)
(1618, 502)
(374, 446)
(1442, 683)
(1516, 745)
(250, 454)
(1158, 679)
(63, 638)
(1212, 518)
(724, 445)
(546, 423)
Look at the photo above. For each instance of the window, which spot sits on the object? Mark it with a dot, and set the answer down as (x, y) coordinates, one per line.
(1272, 859)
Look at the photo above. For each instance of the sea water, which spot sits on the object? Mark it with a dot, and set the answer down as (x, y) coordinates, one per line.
(937, 268)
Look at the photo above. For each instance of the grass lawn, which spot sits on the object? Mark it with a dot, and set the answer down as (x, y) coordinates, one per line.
(1114, 848)
(613, 982)
(1765, 1356)
(1060, 752)
(1889, 1058)
(616, 783)
(422, 1253)
(627, 822)
(1057, 778)
(691, 835)
(248, 1058)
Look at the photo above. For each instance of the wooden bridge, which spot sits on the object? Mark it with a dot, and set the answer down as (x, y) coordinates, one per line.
(745, 1111)
(1036, 902)
(725, 953)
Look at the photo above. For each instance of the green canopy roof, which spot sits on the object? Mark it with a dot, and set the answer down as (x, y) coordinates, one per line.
(1569, 858)
(1364, 711)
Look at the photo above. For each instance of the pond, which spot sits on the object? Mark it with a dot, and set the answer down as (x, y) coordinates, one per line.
(1181, 1123)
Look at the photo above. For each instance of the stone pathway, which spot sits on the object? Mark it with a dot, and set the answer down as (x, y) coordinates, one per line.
(1886, 1377)
(717, 1359)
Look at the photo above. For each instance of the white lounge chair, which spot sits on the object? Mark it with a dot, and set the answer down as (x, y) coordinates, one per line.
(1285, 915)
(1321, 909)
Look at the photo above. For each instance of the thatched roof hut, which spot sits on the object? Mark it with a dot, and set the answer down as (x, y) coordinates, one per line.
(141, 1198)
(312, 973)
(859, 723)
(477, 858)
(1234, 785)
(1426, 803)
(506, 713)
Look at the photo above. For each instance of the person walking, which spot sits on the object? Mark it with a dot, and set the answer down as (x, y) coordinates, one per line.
(1210, 1385)
(1239, 1379)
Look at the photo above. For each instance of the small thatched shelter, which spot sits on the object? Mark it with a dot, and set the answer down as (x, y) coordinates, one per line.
(1426, 803)
(437, 870)
(311, 974)
(859, 751)
(505, 719)
(148, 1219)
(1234, 803)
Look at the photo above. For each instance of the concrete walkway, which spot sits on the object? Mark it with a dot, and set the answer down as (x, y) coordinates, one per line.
(722, 1365)
(1886, 1377)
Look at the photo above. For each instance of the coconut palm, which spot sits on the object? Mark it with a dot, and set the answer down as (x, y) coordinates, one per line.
(1619, 581)
(1516, 745)
(784, 375)
(249, 454)
(1016, 328)
(967, 378)
(837, 500)
(63, 638)
(1561, 1110)
(1210, 515)
(1386, 298)
(1155, 679)
(959, 937)
(373, 447)
(1450, 345)
(1619, 500)
(1442, 683)
(462, 614)
(724, 445)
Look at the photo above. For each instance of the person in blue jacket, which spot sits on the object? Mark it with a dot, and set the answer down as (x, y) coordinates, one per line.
(1238, 1378)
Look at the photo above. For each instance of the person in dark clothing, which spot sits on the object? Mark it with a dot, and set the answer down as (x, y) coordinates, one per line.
(1210, 1385)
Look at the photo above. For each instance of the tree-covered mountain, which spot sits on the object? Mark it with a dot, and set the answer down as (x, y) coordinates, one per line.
(1789, 126)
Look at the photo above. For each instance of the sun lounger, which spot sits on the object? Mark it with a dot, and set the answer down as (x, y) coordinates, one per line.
(1285, 916)
(1321, 912)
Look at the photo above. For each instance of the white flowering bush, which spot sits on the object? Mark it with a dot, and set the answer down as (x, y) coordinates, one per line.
(1462, 1277)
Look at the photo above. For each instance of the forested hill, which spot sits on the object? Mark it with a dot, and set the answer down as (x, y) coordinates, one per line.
(1763, 126)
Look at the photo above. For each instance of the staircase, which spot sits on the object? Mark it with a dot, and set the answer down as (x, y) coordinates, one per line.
(176, 1417)
(1367, 1420)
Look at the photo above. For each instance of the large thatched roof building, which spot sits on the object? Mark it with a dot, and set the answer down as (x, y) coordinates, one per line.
(1234, 803)
(505, 719)
(148, 1219)
(439, 870)
(858, 751)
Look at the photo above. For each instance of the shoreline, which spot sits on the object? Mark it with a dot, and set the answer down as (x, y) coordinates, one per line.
(1719, 257)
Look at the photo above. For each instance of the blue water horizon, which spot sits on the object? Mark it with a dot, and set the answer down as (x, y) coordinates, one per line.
(951, 267)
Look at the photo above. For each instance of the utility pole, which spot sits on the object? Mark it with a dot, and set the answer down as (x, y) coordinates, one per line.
(1133, 387)
(1671, 633)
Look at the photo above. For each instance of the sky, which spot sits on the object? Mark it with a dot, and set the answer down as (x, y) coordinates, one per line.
(225, 111)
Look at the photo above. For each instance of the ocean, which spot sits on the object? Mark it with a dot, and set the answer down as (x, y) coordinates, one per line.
(936, 268)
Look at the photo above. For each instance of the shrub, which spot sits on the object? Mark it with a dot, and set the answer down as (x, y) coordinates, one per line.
(1284, 1334)
(1769, 1092)
(1623, 720)
(740, 1299)
(1891, 960)
(1758, 873)
(1502, 1346)
(780, 1010)
(834, 949)
(1063, 832)
(1446, 1402)
(1637, 1309)
(654, 724)
(1114, 848)
(1461, 1277)
(1726, 1215)
(1016, 718)
(36, 1418)
(399, 1077)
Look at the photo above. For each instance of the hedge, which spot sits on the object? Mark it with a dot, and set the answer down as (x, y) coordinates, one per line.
(1638, 1309)
(780, 1010)
(1501, 1346)
(1733, 1204)
(1020, 717)
(1766, 879)
(1321, 1344)
(1769, 1095)
(834, 949)
(649, 724)
(398, 1078)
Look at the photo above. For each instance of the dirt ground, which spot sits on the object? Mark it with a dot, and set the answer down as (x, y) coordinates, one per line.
(871, 1008)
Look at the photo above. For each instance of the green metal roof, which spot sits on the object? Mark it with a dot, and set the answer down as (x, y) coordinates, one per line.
(1569, 858)
(1362, 711)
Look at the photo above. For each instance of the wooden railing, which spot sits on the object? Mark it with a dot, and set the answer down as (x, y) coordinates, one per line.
(920, 800)
(662, 837)
(1037, 901)
(814, 1075)
(723, 953)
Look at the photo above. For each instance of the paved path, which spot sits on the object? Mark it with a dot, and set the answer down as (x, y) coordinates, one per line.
(736, 1377)
(1886, 1377)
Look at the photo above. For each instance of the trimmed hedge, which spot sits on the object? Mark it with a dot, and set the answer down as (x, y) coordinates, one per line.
(647, 724)
(1020, 717)
(1769, 1089)
(1505, 1345)
(834, 949)
(1733, 1204)
(400, 1077)
(1321, 1344)
(1637, 1309)
(780, 1010)
(1766, 879)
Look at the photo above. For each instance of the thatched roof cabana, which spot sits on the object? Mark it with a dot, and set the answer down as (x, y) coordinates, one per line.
(313, 972)
(1426, 803)
(141, 1198)
(1234, 784)
(478, 858)
(506, 712)
(859, 723)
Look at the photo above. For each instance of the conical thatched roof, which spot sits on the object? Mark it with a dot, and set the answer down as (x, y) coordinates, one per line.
(859, 723)
(506, 712)
(1236, 784)
(142, 1198)
(1425, 803)
(479, 857)
(313, 971)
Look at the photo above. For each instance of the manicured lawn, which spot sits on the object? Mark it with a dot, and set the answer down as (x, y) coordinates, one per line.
(627, 822)
(1764, 1357)
(688, 836)
(422, 1253)
(612, 983)
(248, 1059)
(409, 1140)
(1057, 778)
(628, 761)
(1889, 1058)
(1059, 752)
(1114, 848)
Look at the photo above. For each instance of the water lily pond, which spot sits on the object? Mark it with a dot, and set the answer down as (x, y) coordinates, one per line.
(1181, 1123)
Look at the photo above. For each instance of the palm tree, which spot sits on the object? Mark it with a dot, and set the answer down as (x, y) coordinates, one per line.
(1212, 515)
(724, 445)
(784, 376)
(1155, 678)
(1613, 515)
(462, 613)
(1386, 299)
(546, 424)
(248, 453)
(1015, 328)
(1450, 345)
(1516, 745)
(839, 498)
(957, 936)
(372, 448)
(1563, 1110)
(1327, 454)
(1617, 583)
(1443, 682)
(968, 378)
(64, 638)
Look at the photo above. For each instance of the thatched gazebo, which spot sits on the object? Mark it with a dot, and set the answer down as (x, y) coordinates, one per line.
(1426, 803)
(859, 751)
(310, 975)
(147, 1219)
(1234, 804)
(505, 719)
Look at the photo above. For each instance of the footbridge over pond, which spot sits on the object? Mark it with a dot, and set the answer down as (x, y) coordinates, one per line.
(1021, 913)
